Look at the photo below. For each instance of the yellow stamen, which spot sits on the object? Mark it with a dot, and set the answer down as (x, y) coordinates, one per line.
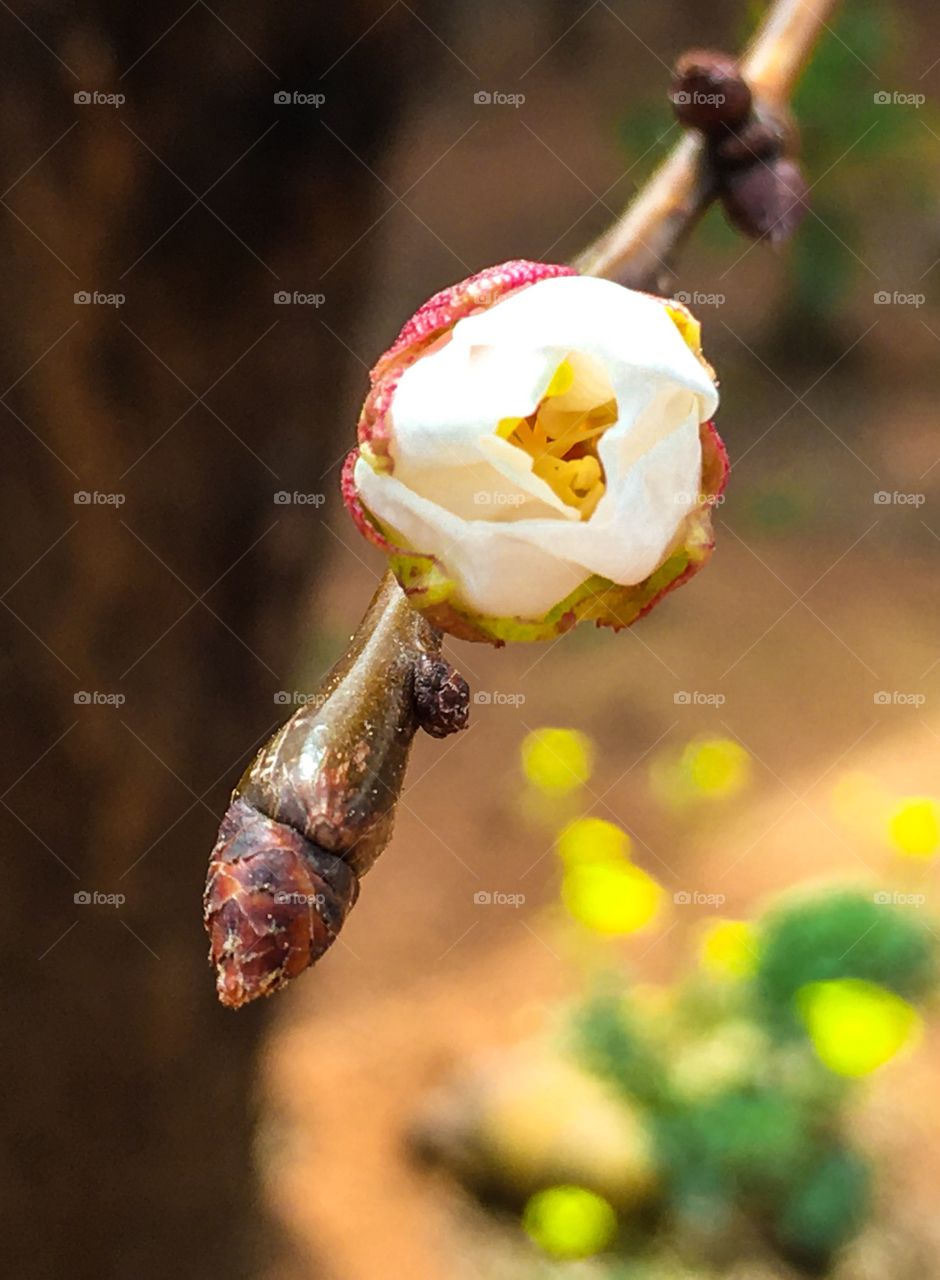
(562, 441)
(576, 434)
(506, 426)
(562, 380)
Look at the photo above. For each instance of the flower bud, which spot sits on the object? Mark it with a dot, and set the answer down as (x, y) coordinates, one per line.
(536, 450)
(765, 200)
(768, 131)
(441, 696)
(708, 92)
(754, 141)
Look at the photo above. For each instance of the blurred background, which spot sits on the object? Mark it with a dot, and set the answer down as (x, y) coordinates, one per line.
(212, 221)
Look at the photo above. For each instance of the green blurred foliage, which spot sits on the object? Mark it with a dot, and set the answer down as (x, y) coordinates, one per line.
(611, 1045)
(826, 1206)
(839, 935)
(753, 1143)
(851, 143)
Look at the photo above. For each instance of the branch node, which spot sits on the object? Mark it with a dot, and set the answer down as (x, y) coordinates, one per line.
(442, 697)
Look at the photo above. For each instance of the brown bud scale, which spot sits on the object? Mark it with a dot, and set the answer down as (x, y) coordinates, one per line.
(273, 904)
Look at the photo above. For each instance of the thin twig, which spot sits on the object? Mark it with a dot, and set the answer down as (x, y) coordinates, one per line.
(639, 248)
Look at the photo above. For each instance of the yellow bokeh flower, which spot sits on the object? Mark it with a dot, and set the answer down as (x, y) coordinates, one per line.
(706, 769)
(914, 826)
(611, 899)
(856, 1026)
(570, 1222)
(728, 949)
(592, 840)
(716, 766)
(557, 761)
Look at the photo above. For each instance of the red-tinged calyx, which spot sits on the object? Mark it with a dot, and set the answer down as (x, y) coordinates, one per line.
(432, 321)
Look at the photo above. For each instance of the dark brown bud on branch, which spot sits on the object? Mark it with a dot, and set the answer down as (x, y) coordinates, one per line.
(315, 807)
(765, 199)
(756, 140)
(442, 697)
(709, 93)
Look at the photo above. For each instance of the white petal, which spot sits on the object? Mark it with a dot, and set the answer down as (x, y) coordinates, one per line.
(465, 495)
(446, 401)
(535, 496)
(498, 575)
(499, 362)
(496, 485)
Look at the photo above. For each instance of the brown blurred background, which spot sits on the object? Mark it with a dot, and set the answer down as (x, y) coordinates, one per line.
(158, 596)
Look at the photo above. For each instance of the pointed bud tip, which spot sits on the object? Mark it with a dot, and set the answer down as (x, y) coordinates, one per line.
(766, 201)
(274, 902)
(230, 985)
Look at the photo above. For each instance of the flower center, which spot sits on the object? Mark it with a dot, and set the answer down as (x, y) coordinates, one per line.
(562, 433)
